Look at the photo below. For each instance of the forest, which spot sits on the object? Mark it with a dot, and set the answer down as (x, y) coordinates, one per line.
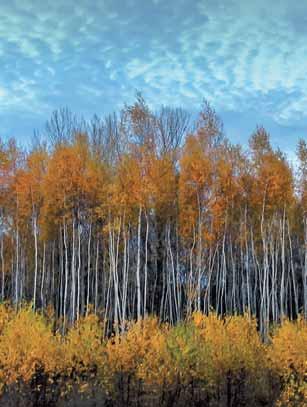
(156, 218)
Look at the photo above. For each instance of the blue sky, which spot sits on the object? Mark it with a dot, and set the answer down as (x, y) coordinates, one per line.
(248, 58)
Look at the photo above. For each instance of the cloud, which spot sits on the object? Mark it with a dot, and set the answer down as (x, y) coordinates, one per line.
(3, 93)
(256, 52)
(22, 95)
(239, 54)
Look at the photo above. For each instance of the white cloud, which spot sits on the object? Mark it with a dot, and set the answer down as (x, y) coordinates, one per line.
(3, 93)
(260, 52)
(235, 53)
(22, 95)
(243, 54)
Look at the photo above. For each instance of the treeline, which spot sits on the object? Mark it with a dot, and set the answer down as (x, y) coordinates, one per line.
(205, 360)
(153, 213)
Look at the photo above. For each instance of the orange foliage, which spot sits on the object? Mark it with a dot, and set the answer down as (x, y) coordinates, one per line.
(288, 356)
(26, 344)
(210, 352)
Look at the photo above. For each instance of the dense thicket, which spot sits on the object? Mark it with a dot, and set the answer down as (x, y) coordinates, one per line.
(204, 361)
(153, 213)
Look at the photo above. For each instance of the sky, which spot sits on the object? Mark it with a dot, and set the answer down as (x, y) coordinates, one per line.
(247, 58)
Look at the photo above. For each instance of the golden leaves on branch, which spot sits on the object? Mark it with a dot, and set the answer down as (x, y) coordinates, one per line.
(207, 350)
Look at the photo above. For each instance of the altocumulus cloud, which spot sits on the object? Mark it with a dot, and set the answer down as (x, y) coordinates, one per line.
(241, 55)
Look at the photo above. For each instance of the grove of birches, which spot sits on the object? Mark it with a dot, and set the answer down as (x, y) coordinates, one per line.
(147, 260)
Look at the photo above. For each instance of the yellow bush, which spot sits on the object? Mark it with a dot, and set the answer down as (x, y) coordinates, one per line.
(27, 344)
(177, 360)
(288, 356)
(124, 355)
(126, 351)
(191, 355)
(294, 394)
(156, 367)
(288, 351)
(224, 358)
(83, 346)
(238, 358)
(234, 342)
(209, 352)
(6, 314)
(207, 349)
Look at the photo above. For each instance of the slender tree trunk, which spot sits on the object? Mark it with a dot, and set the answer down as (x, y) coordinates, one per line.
(145, 264)
(73, 272)
(138, 265)
(43, 275)
(35, 261)
(96, 275)
(88, 268)
(17, 268)
(283, 268)
(2, 268)
(79, 272)
(66, 274)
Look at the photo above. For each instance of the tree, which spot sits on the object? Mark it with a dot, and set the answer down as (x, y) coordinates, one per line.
(302, 156)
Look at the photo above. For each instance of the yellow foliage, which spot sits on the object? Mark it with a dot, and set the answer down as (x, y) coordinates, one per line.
(288, 356)
(83, 347)
(208, 349)
(234, 342)
(294, 394)
(156, 366)
(6, 314)
(125, 352)
(211, 352)
(27, 344)
(288, 352)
